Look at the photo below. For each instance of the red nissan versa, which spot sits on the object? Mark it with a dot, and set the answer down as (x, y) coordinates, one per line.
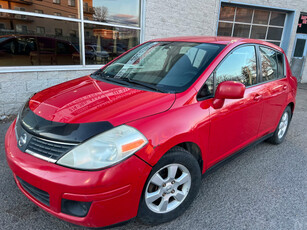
(133, 139)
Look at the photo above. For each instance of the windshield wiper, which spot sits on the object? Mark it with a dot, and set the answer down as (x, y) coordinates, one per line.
(128, 82)
(147, 85)
(116, 80)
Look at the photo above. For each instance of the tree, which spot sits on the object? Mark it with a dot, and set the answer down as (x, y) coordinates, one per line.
(100, 13)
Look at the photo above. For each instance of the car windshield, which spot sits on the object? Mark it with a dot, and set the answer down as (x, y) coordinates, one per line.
(3, 39)
(163, 66)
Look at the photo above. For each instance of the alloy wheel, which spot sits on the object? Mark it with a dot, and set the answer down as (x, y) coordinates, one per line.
(168, 188)
(283, 125)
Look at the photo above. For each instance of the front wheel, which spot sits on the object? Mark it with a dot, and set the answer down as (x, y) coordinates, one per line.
(282, 128)
(170, 188)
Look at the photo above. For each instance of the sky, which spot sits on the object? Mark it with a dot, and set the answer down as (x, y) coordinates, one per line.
(130, 7)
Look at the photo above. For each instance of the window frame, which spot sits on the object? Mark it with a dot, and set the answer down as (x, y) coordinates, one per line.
(81, 20)
(71, 3)
(258, 67)
(267, 26)
(56, 2)
(213, 73)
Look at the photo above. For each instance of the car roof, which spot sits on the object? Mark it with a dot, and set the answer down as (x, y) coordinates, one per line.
(218, 40)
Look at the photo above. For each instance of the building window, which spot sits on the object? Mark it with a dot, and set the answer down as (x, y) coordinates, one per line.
(58, 31)
(40, 30)
(42, 7)
(21, 29)
(18, 15)
(109, 28)
(39, 11)
(102, 11)
(302, 24)
(264, 24)
(72, 2)
(73, 33)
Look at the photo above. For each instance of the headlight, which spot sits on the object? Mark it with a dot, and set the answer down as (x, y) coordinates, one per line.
(105, 149)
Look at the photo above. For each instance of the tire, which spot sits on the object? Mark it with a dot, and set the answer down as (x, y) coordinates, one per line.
(179, 191)
(282, 127)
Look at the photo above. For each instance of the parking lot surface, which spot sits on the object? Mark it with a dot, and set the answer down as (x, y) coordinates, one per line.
(265, 187)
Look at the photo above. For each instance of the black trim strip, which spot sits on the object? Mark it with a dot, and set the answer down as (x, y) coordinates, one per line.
(57, 131)
(37, 193)
(235, 154)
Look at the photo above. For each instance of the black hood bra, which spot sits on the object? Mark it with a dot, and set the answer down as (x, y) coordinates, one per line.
(57, 131)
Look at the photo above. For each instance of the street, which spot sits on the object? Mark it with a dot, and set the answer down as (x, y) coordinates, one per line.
(264, 187)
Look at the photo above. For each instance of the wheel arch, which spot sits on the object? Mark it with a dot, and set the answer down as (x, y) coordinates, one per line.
(193, 149)
(292, 106)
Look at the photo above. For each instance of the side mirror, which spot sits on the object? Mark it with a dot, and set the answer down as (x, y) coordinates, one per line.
(227, 90)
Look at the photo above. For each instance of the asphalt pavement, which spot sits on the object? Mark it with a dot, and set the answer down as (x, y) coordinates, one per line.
(262, 188)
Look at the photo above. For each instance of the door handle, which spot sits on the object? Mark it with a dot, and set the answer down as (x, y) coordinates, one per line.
(285, 87)
(257, 97)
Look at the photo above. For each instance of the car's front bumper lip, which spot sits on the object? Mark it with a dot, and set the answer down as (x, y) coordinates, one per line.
(114, 192)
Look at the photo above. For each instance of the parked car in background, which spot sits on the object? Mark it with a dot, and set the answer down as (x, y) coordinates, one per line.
(133, 139)
(96, 54)
(115, 50)
(36, 50)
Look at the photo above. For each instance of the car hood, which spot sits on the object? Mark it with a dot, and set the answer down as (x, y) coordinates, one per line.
(85, 100)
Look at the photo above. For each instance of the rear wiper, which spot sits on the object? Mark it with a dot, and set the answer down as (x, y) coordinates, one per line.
(147, 85)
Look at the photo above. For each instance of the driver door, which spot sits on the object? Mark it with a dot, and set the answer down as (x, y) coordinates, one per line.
(236, 124)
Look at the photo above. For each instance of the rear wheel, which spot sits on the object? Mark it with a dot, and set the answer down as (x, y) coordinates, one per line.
(170, 188)
(282, 128)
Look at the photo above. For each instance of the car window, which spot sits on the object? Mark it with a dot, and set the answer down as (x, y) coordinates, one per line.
(169, 66)
(196, 56)
(239, 66)
(20, 46)
(63, 48)
(280, 62)
(207, 89)
(46, 44)
(155, 60)
(89, 48)
(268, 63)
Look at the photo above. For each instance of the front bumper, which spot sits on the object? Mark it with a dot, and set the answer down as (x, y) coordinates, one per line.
(114, 192)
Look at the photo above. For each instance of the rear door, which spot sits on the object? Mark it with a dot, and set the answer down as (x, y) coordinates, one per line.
(275, 88)
(236, 124)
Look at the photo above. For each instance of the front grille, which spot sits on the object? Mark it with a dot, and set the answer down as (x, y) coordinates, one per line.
(47, 149)
(38, 194)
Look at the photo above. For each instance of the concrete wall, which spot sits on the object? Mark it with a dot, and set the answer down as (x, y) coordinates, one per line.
(15, 88)
(304, 75)
(167, 18)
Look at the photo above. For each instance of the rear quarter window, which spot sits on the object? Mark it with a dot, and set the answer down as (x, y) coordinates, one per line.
(281, 65)
(268, 64)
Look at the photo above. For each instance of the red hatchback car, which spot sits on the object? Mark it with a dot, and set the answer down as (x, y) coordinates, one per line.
(133, 139)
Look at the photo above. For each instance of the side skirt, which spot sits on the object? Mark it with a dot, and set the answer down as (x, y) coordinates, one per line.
(234, 155)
